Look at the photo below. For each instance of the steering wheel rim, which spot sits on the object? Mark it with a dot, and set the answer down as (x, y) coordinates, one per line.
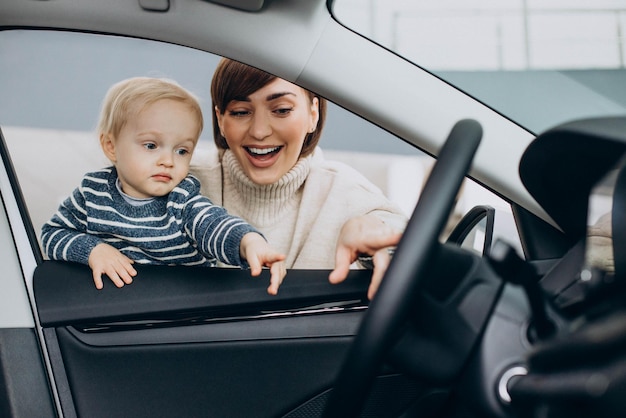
(381, 326)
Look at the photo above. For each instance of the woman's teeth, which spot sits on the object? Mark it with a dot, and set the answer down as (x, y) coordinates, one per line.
(262, 151)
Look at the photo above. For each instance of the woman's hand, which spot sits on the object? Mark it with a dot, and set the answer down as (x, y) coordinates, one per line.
(106, 259)
(367, 235)
(258, 253)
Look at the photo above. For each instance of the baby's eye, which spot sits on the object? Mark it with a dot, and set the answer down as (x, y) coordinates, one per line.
(149, 145)
(182, 151)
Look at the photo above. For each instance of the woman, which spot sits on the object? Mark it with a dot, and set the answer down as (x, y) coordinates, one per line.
(321, 214)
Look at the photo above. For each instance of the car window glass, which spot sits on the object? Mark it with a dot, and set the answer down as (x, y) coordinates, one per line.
(537, 62)
(54, 82)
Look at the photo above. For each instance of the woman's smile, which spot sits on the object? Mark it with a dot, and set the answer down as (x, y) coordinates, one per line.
(263, 157)
(262, 152)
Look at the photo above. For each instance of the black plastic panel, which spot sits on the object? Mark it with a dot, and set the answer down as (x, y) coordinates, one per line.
(24, 388)
(65, 293)
(221, 379)
(189, 342)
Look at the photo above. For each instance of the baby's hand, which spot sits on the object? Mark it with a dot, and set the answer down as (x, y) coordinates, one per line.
(258, 253)
(106, 259)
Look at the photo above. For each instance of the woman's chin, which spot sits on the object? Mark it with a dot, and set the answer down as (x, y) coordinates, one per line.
(262, 172)
(263, 179)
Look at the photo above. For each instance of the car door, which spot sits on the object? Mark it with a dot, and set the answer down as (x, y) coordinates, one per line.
(181, 341)
(192, 342)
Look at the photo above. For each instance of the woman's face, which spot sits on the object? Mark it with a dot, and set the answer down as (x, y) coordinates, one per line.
(266, 130)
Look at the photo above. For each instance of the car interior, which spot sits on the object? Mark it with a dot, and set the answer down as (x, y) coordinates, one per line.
(179, 331)
(465, 324)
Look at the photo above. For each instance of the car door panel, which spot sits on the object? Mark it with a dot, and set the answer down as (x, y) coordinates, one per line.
(202, 342)
(228, 378)
(165, 344)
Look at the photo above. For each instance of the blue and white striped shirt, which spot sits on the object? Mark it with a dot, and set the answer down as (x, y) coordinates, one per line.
(181, 228)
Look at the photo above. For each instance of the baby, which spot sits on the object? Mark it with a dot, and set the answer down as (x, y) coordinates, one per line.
(146, 208)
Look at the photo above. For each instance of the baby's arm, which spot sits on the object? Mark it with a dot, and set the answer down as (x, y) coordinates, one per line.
(65, 237)
(238, 243)
(231, 240)
(258, 253)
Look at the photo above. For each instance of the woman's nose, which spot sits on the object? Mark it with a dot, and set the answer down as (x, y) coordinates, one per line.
(260, 127)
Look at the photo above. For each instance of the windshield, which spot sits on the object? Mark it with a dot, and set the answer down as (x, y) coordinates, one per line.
(538, 62)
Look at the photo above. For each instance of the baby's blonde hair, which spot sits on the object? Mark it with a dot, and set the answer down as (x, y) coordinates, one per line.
(127, 98)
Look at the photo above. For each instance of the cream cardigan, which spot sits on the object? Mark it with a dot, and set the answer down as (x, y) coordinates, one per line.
(302, 213)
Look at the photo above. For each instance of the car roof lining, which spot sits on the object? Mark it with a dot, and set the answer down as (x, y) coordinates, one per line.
(247, 5)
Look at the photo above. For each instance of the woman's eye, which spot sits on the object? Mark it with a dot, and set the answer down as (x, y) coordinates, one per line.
(238, 113)
(283, 110)
(149, 145)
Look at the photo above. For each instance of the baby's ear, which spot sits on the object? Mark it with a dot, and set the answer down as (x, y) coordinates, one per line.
(108, 146)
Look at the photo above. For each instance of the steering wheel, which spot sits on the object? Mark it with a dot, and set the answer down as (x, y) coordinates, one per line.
(389, 310)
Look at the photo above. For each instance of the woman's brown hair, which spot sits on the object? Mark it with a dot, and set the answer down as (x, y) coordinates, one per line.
(233, 80)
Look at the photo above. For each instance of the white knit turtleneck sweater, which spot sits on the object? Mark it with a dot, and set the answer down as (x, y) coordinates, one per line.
(302, 213)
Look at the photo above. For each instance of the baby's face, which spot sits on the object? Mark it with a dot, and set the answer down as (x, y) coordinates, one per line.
(153, 151)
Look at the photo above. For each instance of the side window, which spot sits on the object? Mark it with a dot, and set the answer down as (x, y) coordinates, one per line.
(54, 83)
(50, 112)
(400, 170)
